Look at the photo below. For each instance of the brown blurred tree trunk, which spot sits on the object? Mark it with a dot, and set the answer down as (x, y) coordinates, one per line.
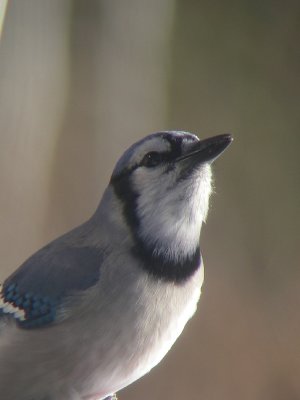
(33, 83)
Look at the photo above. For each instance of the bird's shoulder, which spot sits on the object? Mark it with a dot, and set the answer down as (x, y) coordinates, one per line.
(35, 292)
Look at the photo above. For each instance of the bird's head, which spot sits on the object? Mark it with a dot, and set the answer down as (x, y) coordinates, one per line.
(163, 183)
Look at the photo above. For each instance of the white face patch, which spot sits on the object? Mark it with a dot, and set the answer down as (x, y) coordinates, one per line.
(171, 212)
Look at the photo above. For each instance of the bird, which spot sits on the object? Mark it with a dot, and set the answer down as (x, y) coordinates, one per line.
(97, 308)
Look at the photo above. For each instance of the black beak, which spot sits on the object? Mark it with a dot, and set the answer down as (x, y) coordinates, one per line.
(208, 150)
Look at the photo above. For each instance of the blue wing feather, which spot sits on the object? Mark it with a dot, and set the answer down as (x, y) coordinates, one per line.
(34, 292)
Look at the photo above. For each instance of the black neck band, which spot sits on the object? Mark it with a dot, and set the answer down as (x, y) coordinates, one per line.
(155, 264)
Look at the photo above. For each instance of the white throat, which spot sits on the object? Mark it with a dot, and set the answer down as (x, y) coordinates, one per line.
(171, 221)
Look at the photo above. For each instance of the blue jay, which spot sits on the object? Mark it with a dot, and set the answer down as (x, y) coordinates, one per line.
(97, 308)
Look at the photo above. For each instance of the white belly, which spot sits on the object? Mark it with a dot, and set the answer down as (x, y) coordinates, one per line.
(164, 312)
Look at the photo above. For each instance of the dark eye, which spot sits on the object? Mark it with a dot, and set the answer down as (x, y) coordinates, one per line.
(151, 159)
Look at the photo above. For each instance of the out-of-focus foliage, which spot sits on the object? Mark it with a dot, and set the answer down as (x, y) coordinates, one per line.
(79, 81)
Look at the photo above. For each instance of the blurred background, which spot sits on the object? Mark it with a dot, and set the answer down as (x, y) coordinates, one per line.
(82, 80)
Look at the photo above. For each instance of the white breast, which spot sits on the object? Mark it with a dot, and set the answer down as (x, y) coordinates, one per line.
(153, 325)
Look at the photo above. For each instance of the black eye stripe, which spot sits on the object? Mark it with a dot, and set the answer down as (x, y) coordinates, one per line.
(166, 156)
(152, 159)
(176, 146)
